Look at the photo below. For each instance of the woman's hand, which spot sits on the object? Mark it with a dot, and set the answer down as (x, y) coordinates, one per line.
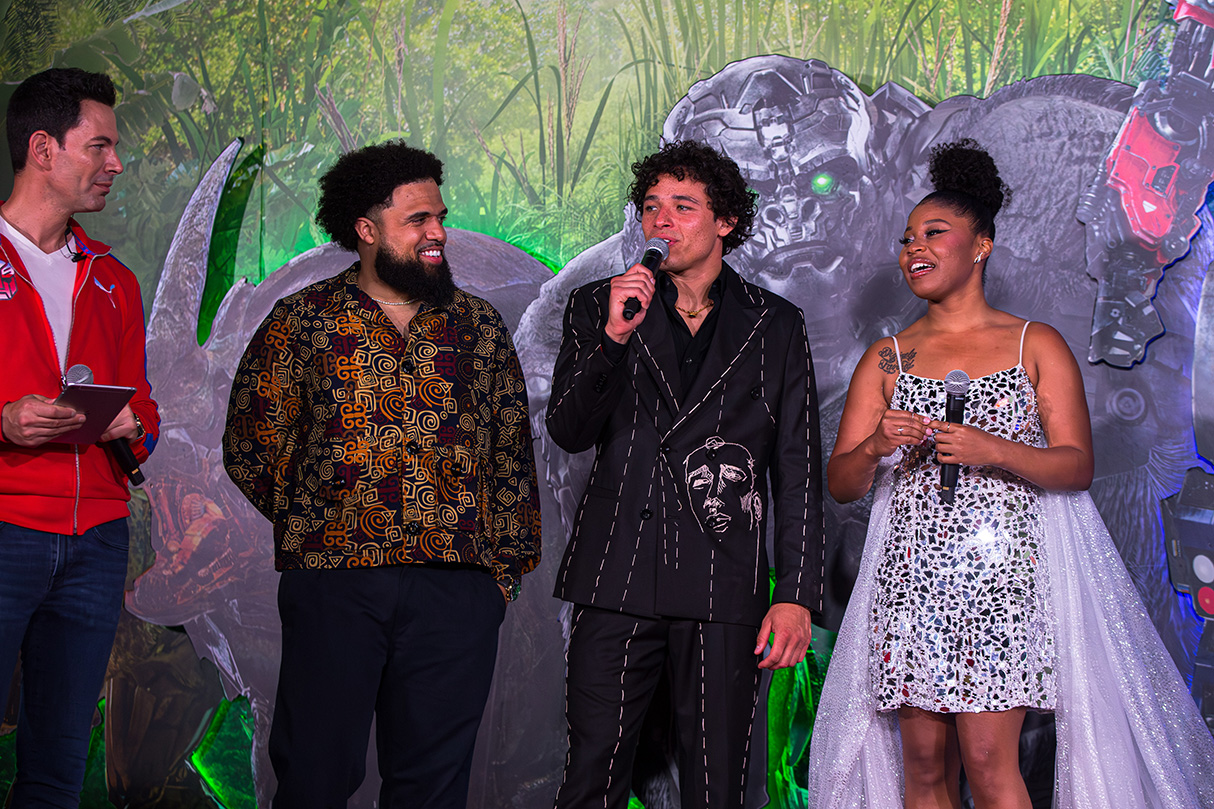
(966, 445)
(899, 428)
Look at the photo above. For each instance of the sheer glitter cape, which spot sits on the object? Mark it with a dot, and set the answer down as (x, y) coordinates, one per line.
(1129, 734)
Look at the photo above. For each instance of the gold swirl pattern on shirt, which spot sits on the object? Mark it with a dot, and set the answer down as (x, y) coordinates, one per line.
(961, 620)
(366, 447)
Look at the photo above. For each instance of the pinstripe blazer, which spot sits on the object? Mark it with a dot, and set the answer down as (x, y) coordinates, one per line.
(673, 520)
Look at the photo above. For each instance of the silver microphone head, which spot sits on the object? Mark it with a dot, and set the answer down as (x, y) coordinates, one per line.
(956, 383)
(659, 246)
(79, 375)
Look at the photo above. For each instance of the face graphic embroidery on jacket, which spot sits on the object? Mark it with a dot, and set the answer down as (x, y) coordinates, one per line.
(721, 484)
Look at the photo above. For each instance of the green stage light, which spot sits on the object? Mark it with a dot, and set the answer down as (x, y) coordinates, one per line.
(222, 759)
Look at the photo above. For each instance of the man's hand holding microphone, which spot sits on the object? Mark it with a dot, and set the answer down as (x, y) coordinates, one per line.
(632, 292)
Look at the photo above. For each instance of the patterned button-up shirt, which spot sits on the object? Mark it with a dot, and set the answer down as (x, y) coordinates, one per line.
(366, 447)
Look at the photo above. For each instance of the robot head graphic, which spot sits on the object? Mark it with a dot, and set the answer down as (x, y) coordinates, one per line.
(802, 134)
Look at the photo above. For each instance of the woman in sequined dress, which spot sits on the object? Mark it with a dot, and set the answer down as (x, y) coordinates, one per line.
(954, 630)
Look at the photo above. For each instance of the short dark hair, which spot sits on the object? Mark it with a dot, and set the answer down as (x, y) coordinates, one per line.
(361, 184)
(728, 195)
(967, 181)
(50, 102)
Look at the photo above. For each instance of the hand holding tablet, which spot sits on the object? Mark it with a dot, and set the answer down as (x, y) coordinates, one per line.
(100, 404)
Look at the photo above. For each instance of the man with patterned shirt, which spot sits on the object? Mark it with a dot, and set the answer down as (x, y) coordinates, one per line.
(379, 420)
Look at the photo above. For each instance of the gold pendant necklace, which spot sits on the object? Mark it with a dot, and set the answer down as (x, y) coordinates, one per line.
(694, 313)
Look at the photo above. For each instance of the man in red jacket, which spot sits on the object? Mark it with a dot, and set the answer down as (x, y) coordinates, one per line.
(64, 301)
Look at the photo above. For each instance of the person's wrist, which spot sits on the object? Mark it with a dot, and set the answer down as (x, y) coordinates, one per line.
(619, 339)
(510, 587)
(1002, 452)
(140, 430)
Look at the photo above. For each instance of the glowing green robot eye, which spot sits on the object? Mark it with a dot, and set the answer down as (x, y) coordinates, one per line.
(822, 183)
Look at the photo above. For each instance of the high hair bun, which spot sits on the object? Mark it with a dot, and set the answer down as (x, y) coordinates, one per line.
(965, 166)
(966, 179)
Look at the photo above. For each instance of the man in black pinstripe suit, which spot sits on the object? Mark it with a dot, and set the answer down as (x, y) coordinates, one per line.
(695, 407)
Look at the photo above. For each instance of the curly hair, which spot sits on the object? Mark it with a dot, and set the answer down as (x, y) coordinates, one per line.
(728, 196)
(966, 179)
(50, 102)
(361, 184)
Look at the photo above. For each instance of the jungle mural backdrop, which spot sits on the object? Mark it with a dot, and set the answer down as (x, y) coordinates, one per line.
(229, 111)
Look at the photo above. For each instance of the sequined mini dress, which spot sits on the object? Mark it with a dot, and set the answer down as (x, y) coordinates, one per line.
(961, 619)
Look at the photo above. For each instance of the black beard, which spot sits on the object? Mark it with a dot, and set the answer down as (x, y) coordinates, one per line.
(413, 279)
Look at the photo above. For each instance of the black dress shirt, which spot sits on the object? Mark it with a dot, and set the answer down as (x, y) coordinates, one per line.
(689, 348)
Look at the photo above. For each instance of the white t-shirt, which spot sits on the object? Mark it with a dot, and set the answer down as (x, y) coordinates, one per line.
(54, 276)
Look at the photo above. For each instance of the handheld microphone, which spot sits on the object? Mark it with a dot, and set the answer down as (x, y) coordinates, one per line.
(78, 375)
(119, 448)
(956, 384)
(656, 252)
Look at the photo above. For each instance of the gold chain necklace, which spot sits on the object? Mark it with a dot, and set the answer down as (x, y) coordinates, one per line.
(384, 302)
(694, 313)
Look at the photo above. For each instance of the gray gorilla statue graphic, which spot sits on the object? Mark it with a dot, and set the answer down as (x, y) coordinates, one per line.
(837, 171)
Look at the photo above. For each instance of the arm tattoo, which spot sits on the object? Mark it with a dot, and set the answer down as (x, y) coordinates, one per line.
(889, 363)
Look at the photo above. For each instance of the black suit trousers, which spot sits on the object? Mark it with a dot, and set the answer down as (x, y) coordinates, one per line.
(412, 646)
(615, 663)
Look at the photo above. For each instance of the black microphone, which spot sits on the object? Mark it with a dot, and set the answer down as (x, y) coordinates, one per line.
(656, 252)
(119, 448)
(956, 384)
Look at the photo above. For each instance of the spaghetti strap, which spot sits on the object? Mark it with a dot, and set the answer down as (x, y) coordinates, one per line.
(898, 351)
(1023, 331)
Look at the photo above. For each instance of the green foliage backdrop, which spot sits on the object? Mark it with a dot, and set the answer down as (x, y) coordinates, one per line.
(537, 107)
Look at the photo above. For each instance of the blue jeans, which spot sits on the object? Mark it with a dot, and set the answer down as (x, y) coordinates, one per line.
(60, 598)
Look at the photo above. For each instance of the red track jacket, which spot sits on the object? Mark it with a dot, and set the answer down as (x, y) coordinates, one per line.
(67, 488)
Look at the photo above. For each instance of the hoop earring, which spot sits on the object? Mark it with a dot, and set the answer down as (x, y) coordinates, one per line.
(977, 258)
